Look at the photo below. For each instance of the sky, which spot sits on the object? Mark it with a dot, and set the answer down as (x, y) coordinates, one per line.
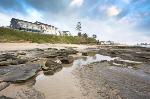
(124, 21)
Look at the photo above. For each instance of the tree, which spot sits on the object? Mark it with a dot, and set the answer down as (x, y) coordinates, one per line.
(79, 34)
(85, 35)
(78, 27)
(94, 36)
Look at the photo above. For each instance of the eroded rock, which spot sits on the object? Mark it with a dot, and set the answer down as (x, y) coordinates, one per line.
(18, 73)
(3, 85)
(66, 59)
(51, 67)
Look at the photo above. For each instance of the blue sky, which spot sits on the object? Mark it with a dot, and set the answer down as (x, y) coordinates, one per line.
(126, 21)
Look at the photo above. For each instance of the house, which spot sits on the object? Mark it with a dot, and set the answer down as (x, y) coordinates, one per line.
(66, 33)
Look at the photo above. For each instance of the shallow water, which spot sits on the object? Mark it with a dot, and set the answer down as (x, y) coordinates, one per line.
(63, 84)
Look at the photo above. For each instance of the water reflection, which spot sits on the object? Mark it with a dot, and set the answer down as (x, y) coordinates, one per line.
(89, 59)
(63, 84)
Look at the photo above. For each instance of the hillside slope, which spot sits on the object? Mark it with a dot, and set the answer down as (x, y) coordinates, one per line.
(11, 35)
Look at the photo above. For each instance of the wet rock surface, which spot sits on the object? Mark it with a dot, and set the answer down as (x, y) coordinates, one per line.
(124, 76)
(140, 54)
(127, 76)
(21, 66)
(21, 92)
(18, 73)
(51, 67)
(101, 80)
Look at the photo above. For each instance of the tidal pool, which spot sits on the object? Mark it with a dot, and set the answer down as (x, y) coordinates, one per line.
(63, 84)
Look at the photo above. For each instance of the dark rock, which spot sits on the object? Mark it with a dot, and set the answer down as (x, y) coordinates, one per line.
(38, 49)
(4, 97)
(18, 73)
(5, 63)
(66, 59)
(7, 56)
(49, 72)
(22, 61)
(51, 67)
(2, 59)
(71, 51)
(3, 85)
(125, 63)
(62, 53)
(19, 61)
(13, 62)
(84, 53)
(21, 53)
(49, 55)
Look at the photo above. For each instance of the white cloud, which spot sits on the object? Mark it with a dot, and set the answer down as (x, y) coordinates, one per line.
(4, 20)
(113, 30)
(32, 17)
(112, 11)
(77, 3)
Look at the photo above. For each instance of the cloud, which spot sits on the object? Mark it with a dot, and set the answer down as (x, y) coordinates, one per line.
(113, 11)
(5, 20)
(77, 3)
(113, 30)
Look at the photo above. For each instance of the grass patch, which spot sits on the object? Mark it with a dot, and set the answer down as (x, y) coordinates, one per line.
(11, 35)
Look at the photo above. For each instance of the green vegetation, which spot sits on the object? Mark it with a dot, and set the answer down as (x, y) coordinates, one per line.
(11, 35)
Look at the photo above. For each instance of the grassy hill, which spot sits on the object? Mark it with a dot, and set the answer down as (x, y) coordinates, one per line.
(11, 35)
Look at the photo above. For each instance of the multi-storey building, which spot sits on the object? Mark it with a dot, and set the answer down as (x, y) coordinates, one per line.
(34, 27)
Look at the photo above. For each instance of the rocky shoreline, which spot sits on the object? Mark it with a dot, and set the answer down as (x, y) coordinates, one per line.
(125, 76)
(21, 66)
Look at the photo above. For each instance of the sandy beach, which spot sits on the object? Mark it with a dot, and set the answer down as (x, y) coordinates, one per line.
(24, 46)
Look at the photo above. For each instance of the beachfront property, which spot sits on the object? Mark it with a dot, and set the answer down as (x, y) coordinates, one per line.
(36, 27)
(66, 33)
(106, 43)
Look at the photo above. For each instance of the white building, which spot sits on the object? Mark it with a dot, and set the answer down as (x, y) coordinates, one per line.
(34, 27)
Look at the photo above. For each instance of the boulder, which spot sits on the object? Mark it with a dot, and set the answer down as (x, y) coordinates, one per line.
(52, 65)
